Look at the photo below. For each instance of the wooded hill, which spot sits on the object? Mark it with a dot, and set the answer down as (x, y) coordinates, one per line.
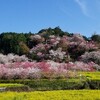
(49, 44)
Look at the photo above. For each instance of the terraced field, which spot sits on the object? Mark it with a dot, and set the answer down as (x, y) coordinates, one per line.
(54, 94)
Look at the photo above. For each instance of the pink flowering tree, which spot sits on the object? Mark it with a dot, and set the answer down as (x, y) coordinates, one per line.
(92, 56)
(12, 58)
(47, 69)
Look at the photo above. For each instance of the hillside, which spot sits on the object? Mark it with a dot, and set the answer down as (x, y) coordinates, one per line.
(49, 53)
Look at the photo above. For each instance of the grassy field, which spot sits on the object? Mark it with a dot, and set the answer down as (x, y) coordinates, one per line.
(52, 95)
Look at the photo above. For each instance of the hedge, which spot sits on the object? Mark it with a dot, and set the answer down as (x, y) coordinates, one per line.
(57, 84)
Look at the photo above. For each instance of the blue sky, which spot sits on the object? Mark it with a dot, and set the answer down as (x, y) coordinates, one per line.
(78, 16)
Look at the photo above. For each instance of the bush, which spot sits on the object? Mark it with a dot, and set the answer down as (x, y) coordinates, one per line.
(94, 84)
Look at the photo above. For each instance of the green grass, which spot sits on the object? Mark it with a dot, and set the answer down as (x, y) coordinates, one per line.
(52, 95)
(91, 75)
(10, 85)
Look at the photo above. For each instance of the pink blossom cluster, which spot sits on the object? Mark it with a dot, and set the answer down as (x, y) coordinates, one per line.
(78, 42)
(36, 70)
(57, 54)
(53, 40)
(12, 58)
(38, 48)
(36, 38)
(68, 45)
(91, 56)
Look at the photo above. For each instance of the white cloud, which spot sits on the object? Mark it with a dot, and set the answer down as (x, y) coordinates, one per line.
(83, 7)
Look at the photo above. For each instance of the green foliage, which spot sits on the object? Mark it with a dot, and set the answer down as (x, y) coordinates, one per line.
(96, 38)
(13, 87)
(54, 84)
(56, 31)
(23, 48)
(10, 43)
(94, 84)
